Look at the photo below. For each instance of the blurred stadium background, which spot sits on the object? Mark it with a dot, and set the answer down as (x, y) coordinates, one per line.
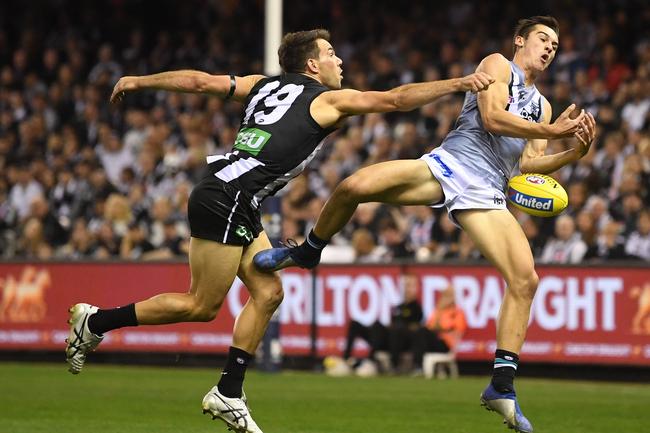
(93, 203)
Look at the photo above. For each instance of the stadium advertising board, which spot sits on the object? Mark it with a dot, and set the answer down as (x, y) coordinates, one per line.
(579, 314)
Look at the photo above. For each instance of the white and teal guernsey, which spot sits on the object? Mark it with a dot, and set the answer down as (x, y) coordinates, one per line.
(494, 158)
(277, 137)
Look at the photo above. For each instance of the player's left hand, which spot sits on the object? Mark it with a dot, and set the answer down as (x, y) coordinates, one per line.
(585, 135)
(125, 84)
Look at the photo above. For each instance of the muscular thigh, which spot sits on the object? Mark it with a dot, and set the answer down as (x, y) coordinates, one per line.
(499, 237)
(258, 283)
(400, 182)
(213, 266)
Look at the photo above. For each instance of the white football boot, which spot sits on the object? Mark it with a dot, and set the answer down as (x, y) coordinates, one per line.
(233, 411)
(80, 340)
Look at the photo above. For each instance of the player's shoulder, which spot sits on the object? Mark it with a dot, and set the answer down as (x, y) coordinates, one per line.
(332, 96)
(496, 65)
(496, 60)
(338, 93)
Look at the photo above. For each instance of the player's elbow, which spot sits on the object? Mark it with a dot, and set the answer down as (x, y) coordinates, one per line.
(490, 123)
(200, 84)
(397, 101)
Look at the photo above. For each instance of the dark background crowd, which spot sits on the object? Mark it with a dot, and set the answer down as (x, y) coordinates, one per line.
(81, 179)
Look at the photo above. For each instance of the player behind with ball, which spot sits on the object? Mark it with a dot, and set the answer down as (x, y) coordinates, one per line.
(500, 131)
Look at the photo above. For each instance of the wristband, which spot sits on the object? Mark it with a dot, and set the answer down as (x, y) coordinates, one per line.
(233, 84)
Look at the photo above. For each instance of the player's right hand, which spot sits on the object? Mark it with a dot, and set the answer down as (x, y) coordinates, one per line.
(476, 82)
(125, 84)
(565, 126)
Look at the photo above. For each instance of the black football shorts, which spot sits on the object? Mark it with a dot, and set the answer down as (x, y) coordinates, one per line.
(219, 211)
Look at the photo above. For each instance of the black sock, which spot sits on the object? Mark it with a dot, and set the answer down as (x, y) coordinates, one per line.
(107, 320)
(505, 367)
(232, 377)
(312, 247)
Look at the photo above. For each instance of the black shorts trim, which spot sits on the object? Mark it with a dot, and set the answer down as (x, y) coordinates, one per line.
(220, 212)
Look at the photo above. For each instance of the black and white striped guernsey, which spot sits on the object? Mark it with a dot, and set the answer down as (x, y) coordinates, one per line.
(277, 137)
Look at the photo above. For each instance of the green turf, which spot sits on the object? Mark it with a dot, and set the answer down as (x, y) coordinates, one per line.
(38, 398)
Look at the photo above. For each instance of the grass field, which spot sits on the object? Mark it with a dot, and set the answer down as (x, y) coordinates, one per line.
(37, 398)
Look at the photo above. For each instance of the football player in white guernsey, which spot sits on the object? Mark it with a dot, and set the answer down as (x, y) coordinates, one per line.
(285, 119)
(499, 132)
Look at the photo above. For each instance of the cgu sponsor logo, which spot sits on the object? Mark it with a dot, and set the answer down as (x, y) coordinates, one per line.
(527, 201)
(23, 298)
(571, 303)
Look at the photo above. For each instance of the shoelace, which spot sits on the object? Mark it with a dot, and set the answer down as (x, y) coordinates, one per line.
(289, 243)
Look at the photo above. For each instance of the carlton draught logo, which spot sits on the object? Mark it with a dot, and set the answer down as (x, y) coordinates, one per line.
(23, 299)
(525, 200)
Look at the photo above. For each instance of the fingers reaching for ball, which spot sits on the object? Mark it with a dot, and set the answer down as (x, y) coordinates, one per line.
(585, 134)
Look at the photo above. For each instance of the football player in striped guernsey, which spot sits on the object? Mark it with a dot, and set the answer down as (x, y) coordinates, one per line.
(285, 120)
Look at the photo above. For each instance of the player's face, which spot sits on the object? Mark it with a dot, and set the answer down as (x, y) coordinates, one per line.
(539, 48)
(331, 71)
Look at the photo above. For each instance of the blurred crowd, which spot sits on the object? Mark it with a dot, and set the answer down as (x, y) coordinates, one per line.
(80, 179)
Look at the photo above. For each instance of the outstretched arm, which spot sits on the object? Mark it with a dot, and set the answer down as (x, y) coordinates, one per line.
(492, 106)
(534, 160)
(187, 81)
(332, 106)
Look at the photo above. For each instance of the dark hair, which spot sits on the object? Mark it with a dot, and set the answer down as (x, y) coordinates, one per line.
(296, 48)
(526, 25)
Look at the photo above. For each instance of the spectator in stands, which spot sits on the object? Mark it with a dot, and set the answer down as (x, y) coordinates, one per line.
(443, 330)
(24, 191)
(81, 245)
(445, 238)
(420, 226)
(54, 233)
(611, 243)
(638, 243)
(635, 111)
(577, 193)
(118, 213)
(366, 249)
(108, 243)
(161, 211)
(392, 237)
(588, 233)
(598, 207)
(114, 156)
(106, 71)
(566, 246)
(135, 244)
(172, 245)
(32, 244)
(296, 202)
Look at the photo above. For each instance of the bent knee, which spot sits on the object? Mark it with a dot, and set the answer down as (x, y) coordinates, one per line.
(204, 312)
(524, 285)
(271, 297)
(355, 186)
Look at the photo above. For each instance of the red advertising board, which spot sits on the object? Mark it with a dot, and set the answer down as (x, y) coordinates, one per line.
(580, 315)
